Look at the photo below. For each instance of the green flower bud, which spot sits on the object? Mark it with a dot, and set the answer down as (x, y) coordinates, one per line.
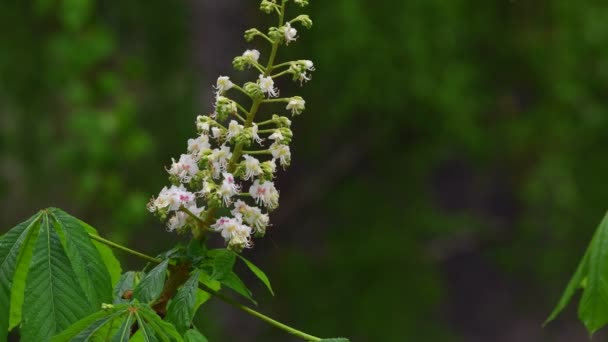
(251, 33)
(268, 6)
(239, 63)
(302, 3)
(276, 35)
(269, 167)
(304, 20)
(224, 107)
(253, 89)
(281, 121)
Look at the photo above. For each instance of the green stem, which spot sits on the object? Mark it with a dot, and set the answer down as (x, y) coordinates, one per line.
(257, 152)
(281, 65)
(281, 73)
(281, 99)
(267, 122)
(124, 249)
(259, 315)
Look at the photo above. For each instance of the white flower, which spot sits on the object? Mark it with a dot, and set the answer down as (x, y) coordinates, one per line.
(176, 221)
(296, 105)
(253, 216)
(221, 156)
(228, 188)
(276, 136)
(216, 169)
(254, 134)
(216, 132)
(281, 152)
(171, 199)
(265, 194)
(253, 55)
(267, 86)
(203, 127)
(202, 123)
(185, 168)
(309, 65)
(206, 188)
(234, 232)
(234, 129)
(252, 167)
(290, 33)
(199, 145)
(223, 84)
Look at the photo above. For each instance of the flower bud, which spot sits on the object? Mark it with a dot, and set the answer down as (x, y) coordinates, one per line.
(281, 121)
(304, 20)
(269, 168)
(268, 6)
(224, 107)
(302, 3)
(276, 35)
(253, 90)
(251, 33)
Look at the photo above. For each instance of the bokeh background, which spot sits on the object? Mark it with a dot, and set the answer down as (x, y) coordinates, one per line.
(447, 174)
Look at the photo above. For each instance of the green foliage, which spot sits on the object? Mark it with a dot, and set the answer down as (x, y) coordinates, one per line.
(182, 307)
(151, 286)
(53, 300)
(102, 325)
(10, 246)
(233, 281)
(124, 331)
(52, 275)
(258, 273)
(128, 281)
(88, 326)
(111, 262)
(592, 276)
(194, 335)
(89, 267)
(222, 262)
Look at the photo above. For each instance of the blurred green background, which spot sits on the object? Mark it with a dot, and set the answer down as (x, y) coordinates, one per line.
(447, 174)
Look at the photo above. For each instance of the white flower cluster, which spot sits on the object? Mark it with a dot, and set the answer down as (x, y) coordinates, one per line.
(234, 159)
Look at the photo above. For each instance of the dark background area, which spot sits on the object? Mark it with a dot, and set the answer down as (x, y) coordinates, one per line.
(446, 177)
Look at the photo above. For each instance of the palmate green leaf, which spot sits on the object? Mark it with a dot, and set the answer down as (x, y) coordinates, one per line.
(233, 281)
(145, 330)
(182, 307)
(202, 296)
(18, 288)
(151, 286)
(53, 300)
(81, 325)
(107, 255)
(99, 330)
(223, 262)
(194, 335)
(573, 285)
(259, 273)
(164, 330)
(10, 246)
(86, 261)
(593, 307)
(124, 331)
